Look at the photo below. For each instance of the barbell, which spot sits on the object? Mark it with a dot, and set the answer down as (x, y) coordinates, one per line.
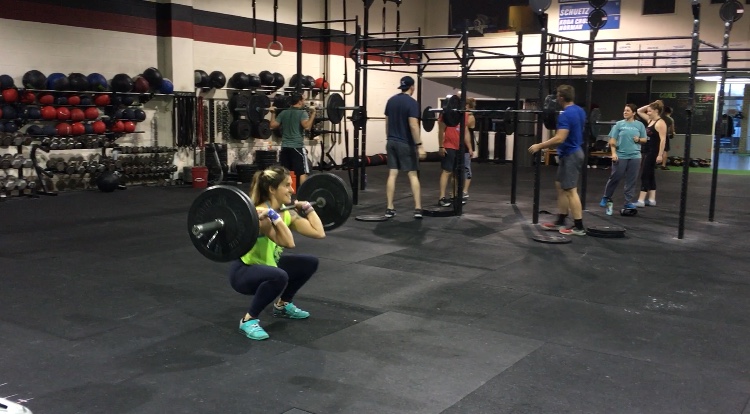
(223, 223)
(452, 114)
(335, 109)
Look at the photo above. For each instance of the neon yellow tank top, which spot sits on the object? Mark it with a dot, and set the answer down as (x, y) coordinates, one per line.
(265, 251)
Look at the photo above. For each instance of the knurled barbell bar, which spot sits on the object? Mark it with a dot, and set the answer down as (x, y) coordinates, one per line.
(335, 109)
(452, 113)
(223, 223)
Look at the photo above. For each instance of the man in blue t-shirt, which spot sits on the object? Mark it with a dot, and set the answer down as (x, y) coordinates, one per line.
(404, 144)
(569, 137)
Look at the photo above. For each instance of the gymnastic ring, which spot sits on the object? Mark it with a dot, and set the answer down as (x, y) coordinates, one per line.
(281, 48)
(343, 88)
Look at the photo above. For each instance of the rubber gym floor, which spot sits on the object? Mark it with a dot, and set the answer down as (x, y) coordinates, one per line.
(107, 308)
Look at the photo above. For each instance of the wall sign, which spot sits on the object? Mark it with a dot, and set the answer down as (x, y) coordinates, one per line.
(574, 16)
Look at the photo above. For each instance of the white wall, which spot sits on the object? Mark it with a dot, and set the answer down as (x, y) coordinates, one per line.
(58, 48)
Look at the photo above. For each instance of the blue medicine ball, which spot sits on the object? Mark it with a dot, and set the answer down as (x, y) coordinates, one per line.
(166, 86)
(6, 82)
(34, 130)
(11, 127)
(58, 82)
(35, 112)
(97, 82)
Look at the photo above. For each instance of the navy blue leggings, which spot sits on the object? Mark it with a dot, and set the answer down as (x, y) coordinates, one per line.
(267, 283)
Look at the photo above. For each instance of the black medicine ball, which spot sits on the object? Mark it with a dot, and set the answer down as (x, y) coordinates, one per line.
(34, 79)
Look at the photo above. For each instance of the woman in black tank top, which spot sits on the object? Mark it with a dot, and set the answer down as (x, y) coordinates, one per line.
(652, 150)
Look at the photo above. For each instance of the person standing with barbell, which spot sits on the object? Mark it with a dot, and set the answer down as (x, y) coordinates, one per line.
(569, 137)
(293, 122)
(263, 271)
(404, 144)
(448, 140)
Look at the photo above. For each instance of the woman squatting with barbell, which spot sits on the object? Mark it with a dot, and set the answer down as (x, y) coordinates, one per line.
(264, 272)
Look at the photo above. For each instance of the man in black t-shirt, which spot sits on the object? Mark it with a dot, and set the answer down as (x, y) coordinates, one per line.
(404, 145)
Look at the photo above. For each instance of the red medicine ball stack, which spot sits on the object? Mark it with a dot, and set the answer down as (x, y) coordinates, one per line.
(99, 127)
(64, 129)
(49, 113)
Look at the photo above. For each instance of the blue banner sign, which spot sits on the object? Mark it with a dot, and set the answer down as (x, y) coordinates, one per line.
(574, 16)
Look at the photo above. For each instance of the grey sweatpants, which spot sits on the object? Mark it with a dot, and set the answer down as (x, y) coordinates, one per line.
(623, 168)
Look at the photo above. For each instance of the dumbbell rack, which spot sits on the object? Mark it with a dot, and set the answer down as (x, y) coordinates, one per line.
(146, 165)
(16, 185)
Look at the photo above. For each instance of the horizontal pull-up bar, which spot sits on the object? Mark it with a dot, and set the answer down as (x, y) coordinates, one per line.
(390, 33)
(328, 36)
(633, 39)
(330, 21)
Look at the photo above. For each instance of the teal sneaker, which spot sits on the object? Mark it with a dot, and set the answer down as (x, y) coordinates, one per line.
(252, 329)
(289, 311)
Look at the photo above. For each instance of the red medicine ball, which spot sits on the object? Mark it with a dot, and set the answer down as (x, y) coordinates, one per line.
(77, 114)
(49, 112)
(46, 99)
(91, 113)
(321, 83)
(99, 127)
(74, 100)
(141, 84)
(63, 129)
(78, 128)
(101, 100)
(63, 114)
(118, 127)
(28, 98)
(129, 126)
(10, 95)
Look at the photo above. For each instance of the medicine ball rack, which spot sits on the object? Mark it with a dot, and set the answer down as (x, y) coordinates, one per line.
(74, 171)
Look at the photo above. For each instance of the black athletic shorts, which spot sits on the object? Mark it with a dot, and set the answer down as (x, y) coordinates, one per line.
(295, 159)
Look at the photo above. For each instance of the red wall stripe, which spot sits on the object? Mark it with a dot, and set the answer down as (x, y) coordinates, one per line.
(66, 16)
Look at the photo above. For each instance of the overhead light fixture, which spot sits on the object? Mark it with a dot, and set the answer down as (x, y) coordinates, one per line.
(716, 78)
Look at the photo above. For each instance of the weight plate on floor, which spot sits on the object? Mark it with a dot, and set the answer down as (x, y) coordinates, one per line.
(371, 217)
(438, 212)
(332, 198)
(240, 230)
(544, 238)
(606, 231)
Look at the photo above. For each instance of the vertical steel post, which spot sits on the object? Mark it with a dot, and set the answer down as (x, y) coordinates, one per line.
(357, 71)
(587, 136)
(719, 112)
(689, 132)
(543, 18)
(518, 60)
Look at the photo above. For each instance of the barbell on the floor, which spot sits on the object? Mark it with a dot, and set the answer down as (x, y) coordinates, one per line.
(223, 223)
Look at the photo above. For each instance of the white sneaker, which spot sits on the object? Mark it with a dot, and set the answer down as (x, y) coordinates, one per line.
(651, 203)
(640, 203)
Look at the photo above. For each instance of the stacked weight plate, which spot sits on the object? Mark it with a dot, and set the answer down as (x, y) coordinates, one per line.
(245, 172)
(214, 169)
(265, 159)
